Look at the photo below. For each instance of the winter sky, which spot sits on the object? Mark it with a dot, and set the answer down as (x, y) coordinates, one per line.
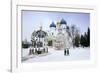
(32, 20)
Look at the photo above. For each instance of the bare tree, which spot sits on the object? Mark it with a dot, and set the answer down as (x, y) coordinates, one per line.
(74, 32)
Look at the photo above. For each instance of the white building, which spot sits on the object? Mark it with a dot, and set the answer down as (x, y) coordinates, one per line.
(59, 35)
(39, 38)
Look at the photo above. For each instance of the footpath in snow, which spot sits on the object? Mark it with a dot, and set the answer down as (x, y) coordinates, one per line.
(57, 55)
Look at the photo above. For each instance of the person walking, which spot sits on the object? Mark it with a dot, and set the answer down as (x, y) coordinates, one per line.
(64, 51)
(67, 51)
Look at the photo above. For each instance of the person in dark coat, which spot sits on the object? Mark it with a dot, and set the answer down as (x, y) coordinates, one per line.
(67, 51)
(64, 51)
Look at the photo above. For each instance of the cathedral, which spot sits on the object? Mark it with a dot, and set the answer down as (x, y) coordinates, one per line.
(59, 36)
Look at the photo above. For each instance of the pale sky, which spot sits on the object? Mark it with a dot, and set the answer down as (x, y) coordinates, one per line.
(32, 20)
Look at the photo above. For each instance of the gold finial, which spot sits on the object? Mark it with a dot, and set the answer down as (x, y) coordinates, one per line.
(58, 23)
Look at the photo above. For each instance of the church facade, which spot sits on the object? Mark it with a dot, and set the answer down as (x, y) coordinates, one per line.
(59, 35)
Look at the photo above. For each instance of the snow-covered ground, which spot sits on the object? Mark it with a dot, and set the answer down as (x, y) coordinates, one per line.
(57, 55)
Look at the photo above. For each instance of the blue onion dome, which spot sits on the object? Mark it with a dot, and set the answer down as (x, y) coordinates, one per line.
(52, 25)
(63, 21)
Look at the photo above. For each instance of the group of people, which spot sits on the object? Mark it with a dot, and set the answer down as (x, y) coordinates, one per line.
(37, 50)
(66, 52)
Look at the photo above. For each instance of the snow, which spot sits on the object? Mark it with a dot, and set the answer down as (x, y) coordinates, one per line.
(57, 55)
